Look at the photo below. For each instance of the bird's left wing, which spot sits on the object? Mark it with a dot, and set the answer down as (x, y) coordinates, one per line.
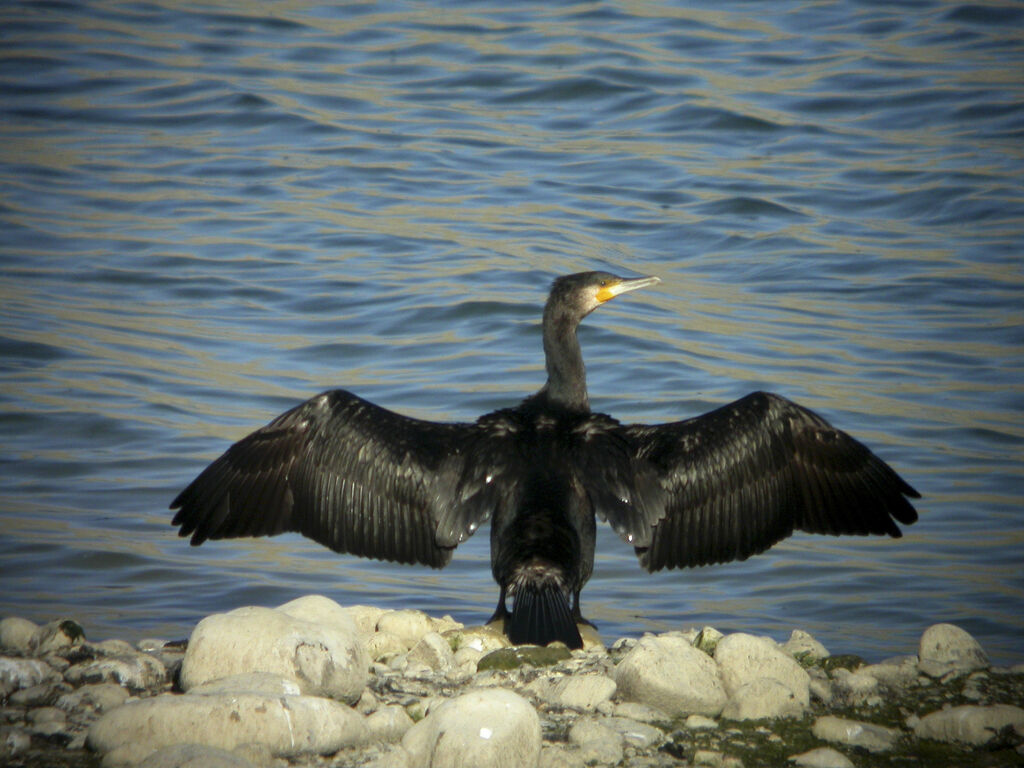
(745, 476)
(349, 474)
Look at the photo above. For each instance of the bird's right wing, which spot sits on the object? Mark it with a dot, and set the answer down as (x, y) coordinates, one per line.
(745, 476)
(351, 475)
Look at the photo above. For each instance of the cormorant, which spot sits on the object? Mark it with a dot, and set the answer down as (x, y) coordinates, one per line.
(722, 486)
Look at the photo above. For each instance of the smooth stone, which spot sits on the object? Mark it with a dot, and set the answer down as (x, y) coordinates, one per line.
(99, 697)
(584, 692)
(492, 728)
(668, 673)
(433, 651)
(893, 673)
(56, 636)
(635, 734)
(310, 641)
(384, 645)
(287, 725)
(408, 625)
(136, 671)
(34, 696)
(194, 756)
(804, 648)
(873, 738)
(388, 724)
(597, 742)
(366, 617)
(947, 648)
(763, 698)
(969, 724)
(822, 757)
(479, 638)
(16, 674)
(16, 634)
(699, 722)
(854, 687)
(744, 659)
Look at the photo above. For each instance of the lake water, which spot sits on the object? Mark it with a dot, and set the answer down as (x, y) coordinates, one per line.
(211, 212)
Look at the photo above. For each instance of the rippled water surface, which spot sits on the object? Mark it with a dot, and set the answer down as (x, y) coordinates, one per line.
(211, 212)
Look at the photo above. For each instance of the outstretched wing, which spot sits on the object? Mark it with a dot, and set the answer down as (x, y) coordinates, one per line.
(745, 476)
(349, 474)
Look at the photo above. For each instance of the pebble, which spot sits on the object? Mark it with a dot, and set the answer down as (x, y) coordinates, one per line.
(523, 707)
(853, 733)
(822, 757)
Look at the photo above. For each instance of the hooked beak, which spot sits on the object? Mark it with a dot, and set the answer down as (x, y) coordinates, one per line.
(609, 292)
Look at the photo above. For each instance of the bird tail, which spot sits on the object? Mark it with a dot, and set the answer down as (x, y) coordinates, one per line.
(541, 613)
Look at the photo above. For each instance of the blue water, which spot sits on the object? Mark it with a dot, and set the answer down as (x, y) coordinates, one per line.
(208, 215)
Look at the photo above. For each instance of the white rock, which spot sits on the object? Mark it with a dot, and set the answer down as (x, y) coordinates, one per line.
(822, 757)
(557, 756)
(801, 645)
(56, 636)
(384, 645)
(597, 743)
(324, 656)
(194, 756)
(744, 659)
(388, 724)
(969, 724)
(16, 634)
(946, 648)
(95, 698)
(635, 734)
(762, 698)
(408, 625)
(583, 692)
(16, 674)
(853, 687)
(493, 728)
(287, 725)
(433, 651)
(699, 722)
(136, 671)
(670, 674)
(893, 673)
(874, 738)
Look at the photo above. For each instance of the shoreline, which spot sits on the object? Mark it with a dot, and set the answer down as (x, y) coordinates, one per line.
(312, 683)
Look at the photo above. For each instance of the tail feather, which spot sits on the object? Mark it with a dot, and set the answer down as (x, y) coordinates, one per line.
(541, 615)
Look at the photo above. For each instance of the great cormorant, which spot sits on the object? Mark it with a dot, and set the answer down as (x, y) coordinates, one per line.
(723, 486)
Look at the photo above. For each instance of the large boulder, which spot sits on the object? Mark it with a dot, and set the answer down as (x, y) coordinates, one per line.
(761, 679)
(312, 641)
(493, 728)
(666, 672)
(287, 725)
(946, 648)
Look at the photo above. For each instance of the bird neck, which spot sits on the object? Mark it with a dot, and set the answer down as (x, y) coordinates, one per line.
(566, 386)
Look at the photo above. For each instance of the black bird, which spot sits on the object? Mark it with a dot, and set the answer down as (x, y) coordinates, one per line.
(723, 486)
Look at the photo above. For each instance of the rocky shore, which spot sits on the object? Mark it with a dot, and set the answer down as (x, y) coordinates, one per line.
(314, 684)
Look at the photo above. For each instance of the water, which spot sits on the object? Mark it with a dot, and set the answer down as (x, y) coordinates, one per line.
(210, 213)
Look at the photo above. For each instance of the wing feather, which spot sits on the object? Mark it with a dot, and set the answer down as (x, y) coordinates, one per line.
(351, 475)
(745, 476)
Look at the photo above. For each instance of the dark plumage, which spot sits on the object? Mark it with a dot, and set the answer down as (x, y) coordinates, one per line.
(722, 486)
